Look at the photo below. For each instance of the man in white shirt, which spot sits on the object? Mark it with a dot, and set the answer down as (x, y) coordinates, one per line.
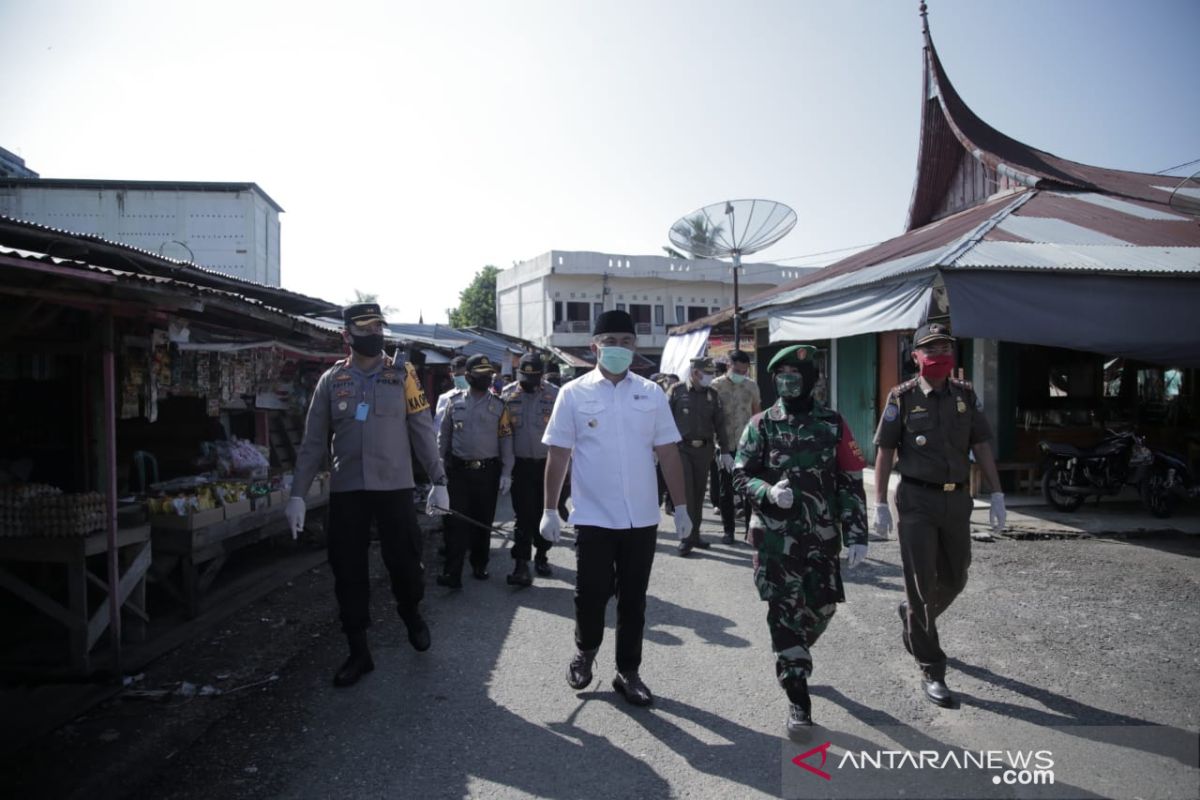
(609, 425)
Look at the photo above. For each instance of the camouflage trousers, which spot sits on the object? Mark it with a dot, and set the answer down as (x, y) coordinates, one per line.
(802, 596)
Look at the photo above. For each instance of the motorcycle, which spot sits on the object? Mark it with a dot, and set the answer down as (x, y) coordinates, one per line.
(1072, 474)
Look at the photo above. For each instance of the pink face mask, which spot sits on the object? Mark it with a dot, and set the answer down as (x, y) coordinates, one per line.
(935, 368)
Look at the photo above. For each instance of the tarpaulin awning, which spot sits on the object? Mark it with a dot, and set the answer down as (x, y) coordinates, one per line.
(680, 350)
(1151, 319)
(898, 306)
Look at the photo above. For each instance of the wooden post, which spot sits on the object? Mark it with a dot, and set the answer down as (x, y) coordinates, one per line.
(108, 366)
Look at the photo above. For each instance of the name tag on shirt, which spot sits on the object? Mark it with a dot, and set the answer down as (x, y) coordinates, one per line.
(360, 413)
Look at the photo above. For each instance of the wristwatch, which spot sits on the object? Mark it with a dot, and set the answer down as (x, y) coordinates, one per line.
(440, 482)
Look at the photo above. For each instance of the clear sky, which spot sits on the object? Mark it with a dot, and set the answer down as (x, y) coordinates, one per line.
(411, 143)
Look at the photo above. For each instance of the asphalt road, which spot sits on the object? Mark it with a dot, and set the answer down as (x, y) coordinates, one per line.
(1087, 650)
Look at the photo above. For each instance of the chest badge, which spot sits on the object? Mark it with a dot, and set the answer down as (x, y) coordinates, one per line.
(342, 406)
(920, 440)
(962, 407)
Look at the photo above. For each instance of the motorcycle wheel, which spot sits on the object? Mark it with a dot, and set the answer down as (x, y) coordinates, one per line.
(1060, 500)
(1157, 497)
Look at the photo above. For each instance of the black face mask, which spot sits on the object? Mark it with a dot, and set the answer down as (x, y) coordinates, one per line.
(531, 386)
(480, 382)
(367, 346)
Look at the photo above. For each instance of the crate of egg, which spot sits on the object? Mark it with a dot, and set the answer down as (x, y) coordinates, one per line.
(13, 500)
(65, 514)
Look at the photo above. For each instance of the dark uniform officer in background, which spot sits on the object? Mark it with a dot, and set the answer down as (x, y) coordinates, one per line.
(372, 407)
(930, 424)
(799, 466)
(697, 411)
(529, 402)
(475, 442)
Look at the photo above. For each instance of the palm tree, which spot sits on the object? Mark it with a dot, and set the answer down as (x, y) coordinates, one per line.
(699, 233)
(370, 297)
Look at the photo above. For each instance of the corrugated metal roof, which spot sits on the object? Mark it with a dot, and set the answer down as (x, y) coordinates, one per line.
(1124, 206)
(1096, 258)
(149, 186)
(1048, 229)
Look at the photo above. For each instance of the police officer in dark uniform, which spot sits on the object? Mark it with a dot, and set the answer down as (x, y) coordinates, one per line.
(697, 411)
(930, 425)
(365, 411)
(475, 442)
(529, 402)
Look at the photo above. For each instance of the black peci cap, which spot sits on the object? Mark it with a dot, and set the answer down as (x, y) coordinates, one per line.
(614, 322)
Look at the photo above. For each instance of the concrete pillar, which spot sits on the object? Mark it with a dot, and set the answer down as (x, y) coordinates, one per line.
(985, 370)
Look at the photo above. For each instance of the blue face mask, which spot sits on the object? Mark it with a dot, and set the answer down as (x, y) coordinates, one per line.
(460, 382)
(615, 359)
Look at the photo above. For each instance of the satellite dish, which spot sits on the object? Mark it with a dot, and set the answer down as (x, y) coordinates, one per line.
(1185, 198)
(734, 229)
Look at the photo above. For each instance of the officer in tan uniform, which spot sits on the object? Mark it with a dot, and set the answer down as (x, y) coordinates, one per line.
(697, 411)
(929, 426)
(365, 411)
(475, 442)
(529, 402)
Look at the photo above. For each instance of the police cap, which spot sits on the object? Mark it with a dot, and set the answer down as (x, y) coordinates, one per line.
(931, 332)
(704, 364)
(531, 364)
(362, 313)
(479, 364)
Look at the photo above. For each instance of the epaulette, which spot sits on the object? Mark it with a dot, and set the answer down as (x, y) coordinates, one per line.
(962, 384)
(901, 388)
(509, 389)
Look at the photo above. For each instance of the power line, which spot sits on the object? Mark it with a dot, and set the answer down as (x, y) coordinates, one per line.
(1177, 166)
(828, 252)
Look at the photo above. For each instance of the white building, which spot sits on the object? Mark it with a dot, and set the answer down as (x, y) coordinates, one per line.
(554, 299)
(228, 227)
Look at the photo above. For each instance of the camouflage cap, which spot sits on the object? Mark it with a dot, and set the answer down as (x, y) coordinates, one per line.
(793, 355)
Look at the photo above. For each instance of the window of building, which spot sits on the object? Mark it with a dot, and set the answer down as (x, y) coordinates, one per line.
(572, 317)
(640, 312)
(620, 306)
(680, 316)
(597, 310)
(696, 312)
(659, 316)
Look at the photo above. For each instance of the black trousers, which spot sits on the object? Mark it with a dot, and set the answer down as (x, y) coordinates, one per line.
(349, 545)
(613, 562)
(732, 505)
(934, 528)
(714, 481)
(528, 500)
(473, 493)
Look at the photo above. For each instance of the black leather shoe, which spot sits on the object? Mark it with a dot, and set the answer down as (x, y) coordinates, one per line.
(358, 664)
(937, 691)
(449, 581)
(685, 548)
(903, 610)
(480, 573)
(630, 685)
(700, 544)
(727, 539)
(418, 633)
(520, 574)
(799, 721)
(542, 567)
(579, 672)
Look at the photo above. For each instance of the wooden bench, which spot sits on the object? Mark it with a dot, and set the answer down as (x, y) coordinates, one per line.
(1024, 476)
(84, 624)
(200, 553)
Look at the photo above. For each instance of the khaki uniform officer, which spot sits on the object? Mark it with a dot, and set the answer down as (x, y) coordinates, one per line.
(475, 441)
(701, 422)
(368, 410)
(930, 424)
(529, 402)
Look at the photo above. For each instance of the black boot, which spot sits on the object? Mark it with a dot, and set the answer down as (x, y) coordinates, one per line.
(418, 631)
(541, 565)
(520, 574)
(358, 664)
(799, 720)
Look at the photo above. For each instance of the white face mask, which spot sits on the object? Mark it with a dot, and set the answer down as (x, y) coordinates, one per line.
(705, 380)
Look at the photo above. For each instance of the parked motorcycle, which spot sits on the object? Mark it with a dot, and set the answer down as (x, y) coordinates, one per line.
(1072, 474)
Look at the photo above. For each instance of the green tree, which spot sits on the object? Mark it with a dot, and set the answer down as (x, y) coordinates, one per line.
(700, 236)
(370, 297)
(477, 302)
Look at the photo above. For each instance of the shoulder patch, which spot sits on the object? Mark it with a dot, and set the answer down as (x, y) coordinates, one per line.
(890, 412)
(414, 395)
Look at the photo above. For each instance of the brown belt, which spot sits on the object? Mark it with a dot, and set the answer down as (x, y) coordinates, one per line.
(941, 487)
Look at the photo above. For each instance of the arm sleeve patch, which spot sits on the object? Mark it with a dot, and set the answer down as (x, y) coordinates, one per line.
(414, 395)
(849, 454)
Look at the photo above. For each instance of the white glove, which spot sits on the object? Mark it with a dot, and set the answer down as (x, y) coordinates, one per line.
(855, 553)
(727, 462)
(683, 523)
(883, 520)
(997, 516)
(781, 494)
(551, 526)
(438, 496)
(294, 511)
(505, 484)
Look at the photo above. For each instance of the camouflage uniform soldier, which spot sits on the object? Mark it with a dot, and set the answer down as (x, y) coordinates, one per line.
(800, 467)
